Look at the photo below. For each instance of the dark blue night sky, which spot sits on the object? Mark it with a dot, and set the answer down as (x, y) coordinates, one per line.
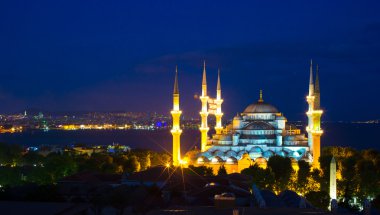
(121, 55)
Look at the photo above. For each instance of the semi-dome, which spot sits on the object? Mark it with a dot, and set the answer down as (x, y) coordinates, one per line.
(261, 107)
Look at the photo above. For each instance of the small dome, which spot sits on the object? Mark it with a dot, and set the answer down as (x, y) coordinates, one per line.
(268, 154)
(241, 154)
(218, 153)
(281, 153)
(230, 153)
(256, 149)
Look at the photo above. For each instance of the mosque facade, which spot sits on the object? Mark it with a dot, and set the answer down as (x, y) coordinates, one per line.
(257, 133)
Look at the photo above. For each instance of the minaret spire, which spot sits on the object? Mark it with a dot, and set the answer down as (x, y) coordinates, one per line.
(218, 101)
(204, 80)
(176, 91)
(311, 83)
(204, 112)
(317, 101)
(218, 87)
(176, 128)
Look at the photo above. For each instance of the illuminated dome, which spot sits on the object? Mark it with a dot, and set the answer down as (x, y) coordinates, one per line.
(261, 107)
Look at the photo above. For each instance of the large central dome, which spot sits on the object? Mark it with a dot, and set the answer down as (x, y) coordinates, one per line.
(260, 107)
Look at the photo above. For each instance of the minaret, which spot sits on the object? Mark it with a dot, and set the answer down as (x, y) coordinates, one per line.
(310, 101)
(314, 123)
(204, 112)
(218, 101)
(176, 129)
(317, 94)
(333, 179)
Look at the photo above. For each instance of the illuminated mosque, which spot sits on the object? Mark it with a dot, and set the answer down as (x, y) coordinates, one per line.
(254, 135)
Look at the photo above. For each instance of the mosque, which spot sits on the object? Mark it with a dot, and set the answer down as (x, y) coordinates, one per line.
(254, 135)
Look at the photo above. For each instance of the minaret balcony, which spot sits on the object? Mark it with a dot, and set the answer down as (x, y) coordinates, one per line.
(308, 129)
(204, 129)
(203, 98)
(218, 114)
(218, 128)
(310, 99)
(317, 132)
(176, 131)
(176, 112)
(314, 112)
(203, 114)
(218, 101)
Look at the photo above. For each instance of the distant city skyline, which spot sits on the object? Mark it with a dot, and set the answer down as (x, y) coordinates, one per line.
(101, 56)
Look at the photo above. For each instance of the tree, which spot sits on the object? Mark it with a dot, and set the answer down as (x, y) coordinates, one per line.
(319, 199)
(324, 161)
(60, 165)
(368, 172)
(132, 164)
(303, 175)
(159, 158)
(263, 178)
(282, 170)
(349, 182)
(222, 171)
(10, 154)
(201, 170)
(32, 158)
(376, 202)
(368, 178)
(10, 176)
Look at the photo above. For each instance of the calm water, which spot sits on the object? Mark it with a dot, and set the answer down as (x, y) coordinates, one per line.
(359, 136)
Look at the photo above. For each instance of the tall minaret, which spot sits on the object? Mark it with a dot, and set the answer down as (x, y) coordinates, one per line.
(310, 101)
(317, 113)
(317, 93)
(204, 112)
(333, 179)
(218, 101)
(314, 114)
(176, 129)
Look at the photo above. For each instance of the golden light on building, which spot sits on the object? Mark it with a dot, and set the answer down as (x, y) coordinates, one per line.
(254, 135)
(211, 106)
(314, 114)
(204, 112)
(176, 129)
(218, 102)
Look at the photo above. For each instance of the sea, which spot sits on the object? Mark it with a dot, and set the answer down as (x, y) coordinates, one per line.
(355, 135)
